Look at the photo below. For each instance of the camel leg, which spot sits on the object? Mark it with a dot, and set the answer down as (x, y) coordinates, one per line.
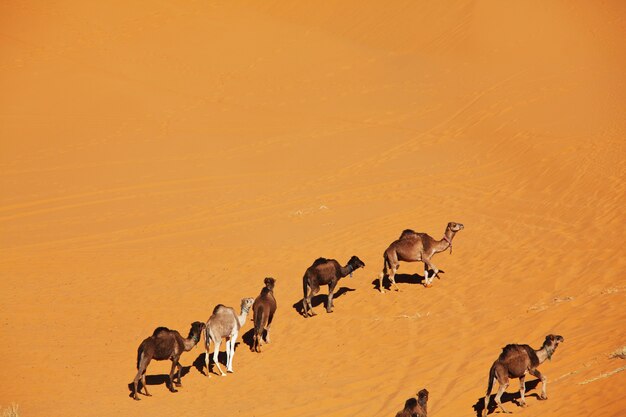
(180, 369)
(522, 390)
(487, 396)
(255, 342)
(145, 385)
(141, 375)
(306, 302)
(267, 328)
(544, 383)
(206, 359)
(430, 265)
(135, 385)
(228, 340)
(392, 277)
(305, 305)
(329, 302)
(426, 282)
(381, 276)
(501, 390)
(233, 339)
(267, 334)
(172, 376)
(391, 259)
(312, 291)
(216, 353)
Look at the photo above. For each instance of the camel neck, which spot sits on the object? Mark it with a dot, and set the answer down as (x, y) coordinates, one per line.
(243, 315)
(544, 353)
(347, 270)
(446, 241)
(191, 342)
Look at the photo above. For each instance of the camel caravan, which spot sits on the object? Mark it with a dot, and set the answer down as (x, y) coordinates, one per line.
(515, 361)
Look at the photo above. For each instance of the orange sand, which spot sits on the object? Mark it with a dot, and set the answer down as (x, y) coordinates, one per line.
(158, 159)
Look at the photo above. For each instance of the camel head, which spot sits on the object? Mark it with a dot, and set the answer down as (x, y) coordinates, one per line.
(356, 263)
(269, 283)
(196, 331)
(455, 227)
(246, 303)
(552, 341)
(422, 397)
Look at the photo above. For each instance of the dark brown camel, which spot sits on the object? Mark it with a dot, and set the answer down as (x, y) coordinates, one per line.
(415, 407)
(164, 344)
(412, 246)
(263, 308)
(325, 272)
(514, 362)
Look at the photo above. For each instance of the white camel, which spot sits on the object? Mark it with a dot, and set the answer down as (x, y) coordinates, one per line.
(225, 323)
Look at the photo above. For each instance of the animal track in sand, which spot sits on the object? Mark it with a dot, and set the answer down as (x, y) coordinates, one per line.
(542, 306)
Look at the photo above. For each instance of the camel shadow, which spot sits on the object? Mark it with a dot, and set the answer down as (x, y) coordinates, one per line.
(507, 397)
(200, 363)
(248, 337)
(158, 380)
(403, 279)
(320, 299)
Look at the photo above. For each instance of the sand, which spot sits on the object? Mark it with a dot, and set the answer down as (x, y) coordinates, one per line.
(159, 158)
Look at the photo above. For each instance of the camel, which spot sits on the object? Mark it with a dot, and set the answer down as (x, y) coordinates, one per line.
(164, 344)
(263, 308)
(514, 362)
(225, 323)
(415, 407)
(412, 246)
(325, 272)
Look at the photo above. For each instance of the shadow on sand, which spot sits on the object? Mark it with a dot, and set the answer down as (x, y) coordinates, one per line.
(199, 364)
(507, 397)
(161, 379)
(321, 299)
(403, 279)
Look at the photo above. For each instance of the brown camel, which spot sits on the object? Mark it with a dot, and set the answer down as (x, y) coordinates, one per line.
(412, 246)
(164, 344)
(263, 308)
(415, 407)
(225, 323)
(514, 362)
(325, 272)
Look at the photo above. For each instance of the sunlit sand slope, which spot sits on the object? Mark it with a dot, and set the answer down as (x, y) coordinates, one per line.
(159, 158)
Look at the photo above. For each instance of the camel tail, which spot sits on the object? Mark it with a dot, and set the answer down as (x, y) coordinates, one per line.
(492, 377)
(207, 338)
(139, 353)
(305, 288)
(385, 264)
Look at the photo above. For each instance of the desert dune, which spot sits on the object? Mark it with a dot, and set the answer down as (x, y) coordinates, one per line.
(160, 158)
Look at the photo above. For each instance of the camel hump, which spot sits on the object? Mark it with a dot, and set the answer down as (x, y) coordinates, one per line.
(508, 348)
(218, 307)
(319, 261)
(408, 233)
(159, 330)
(515, 349)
